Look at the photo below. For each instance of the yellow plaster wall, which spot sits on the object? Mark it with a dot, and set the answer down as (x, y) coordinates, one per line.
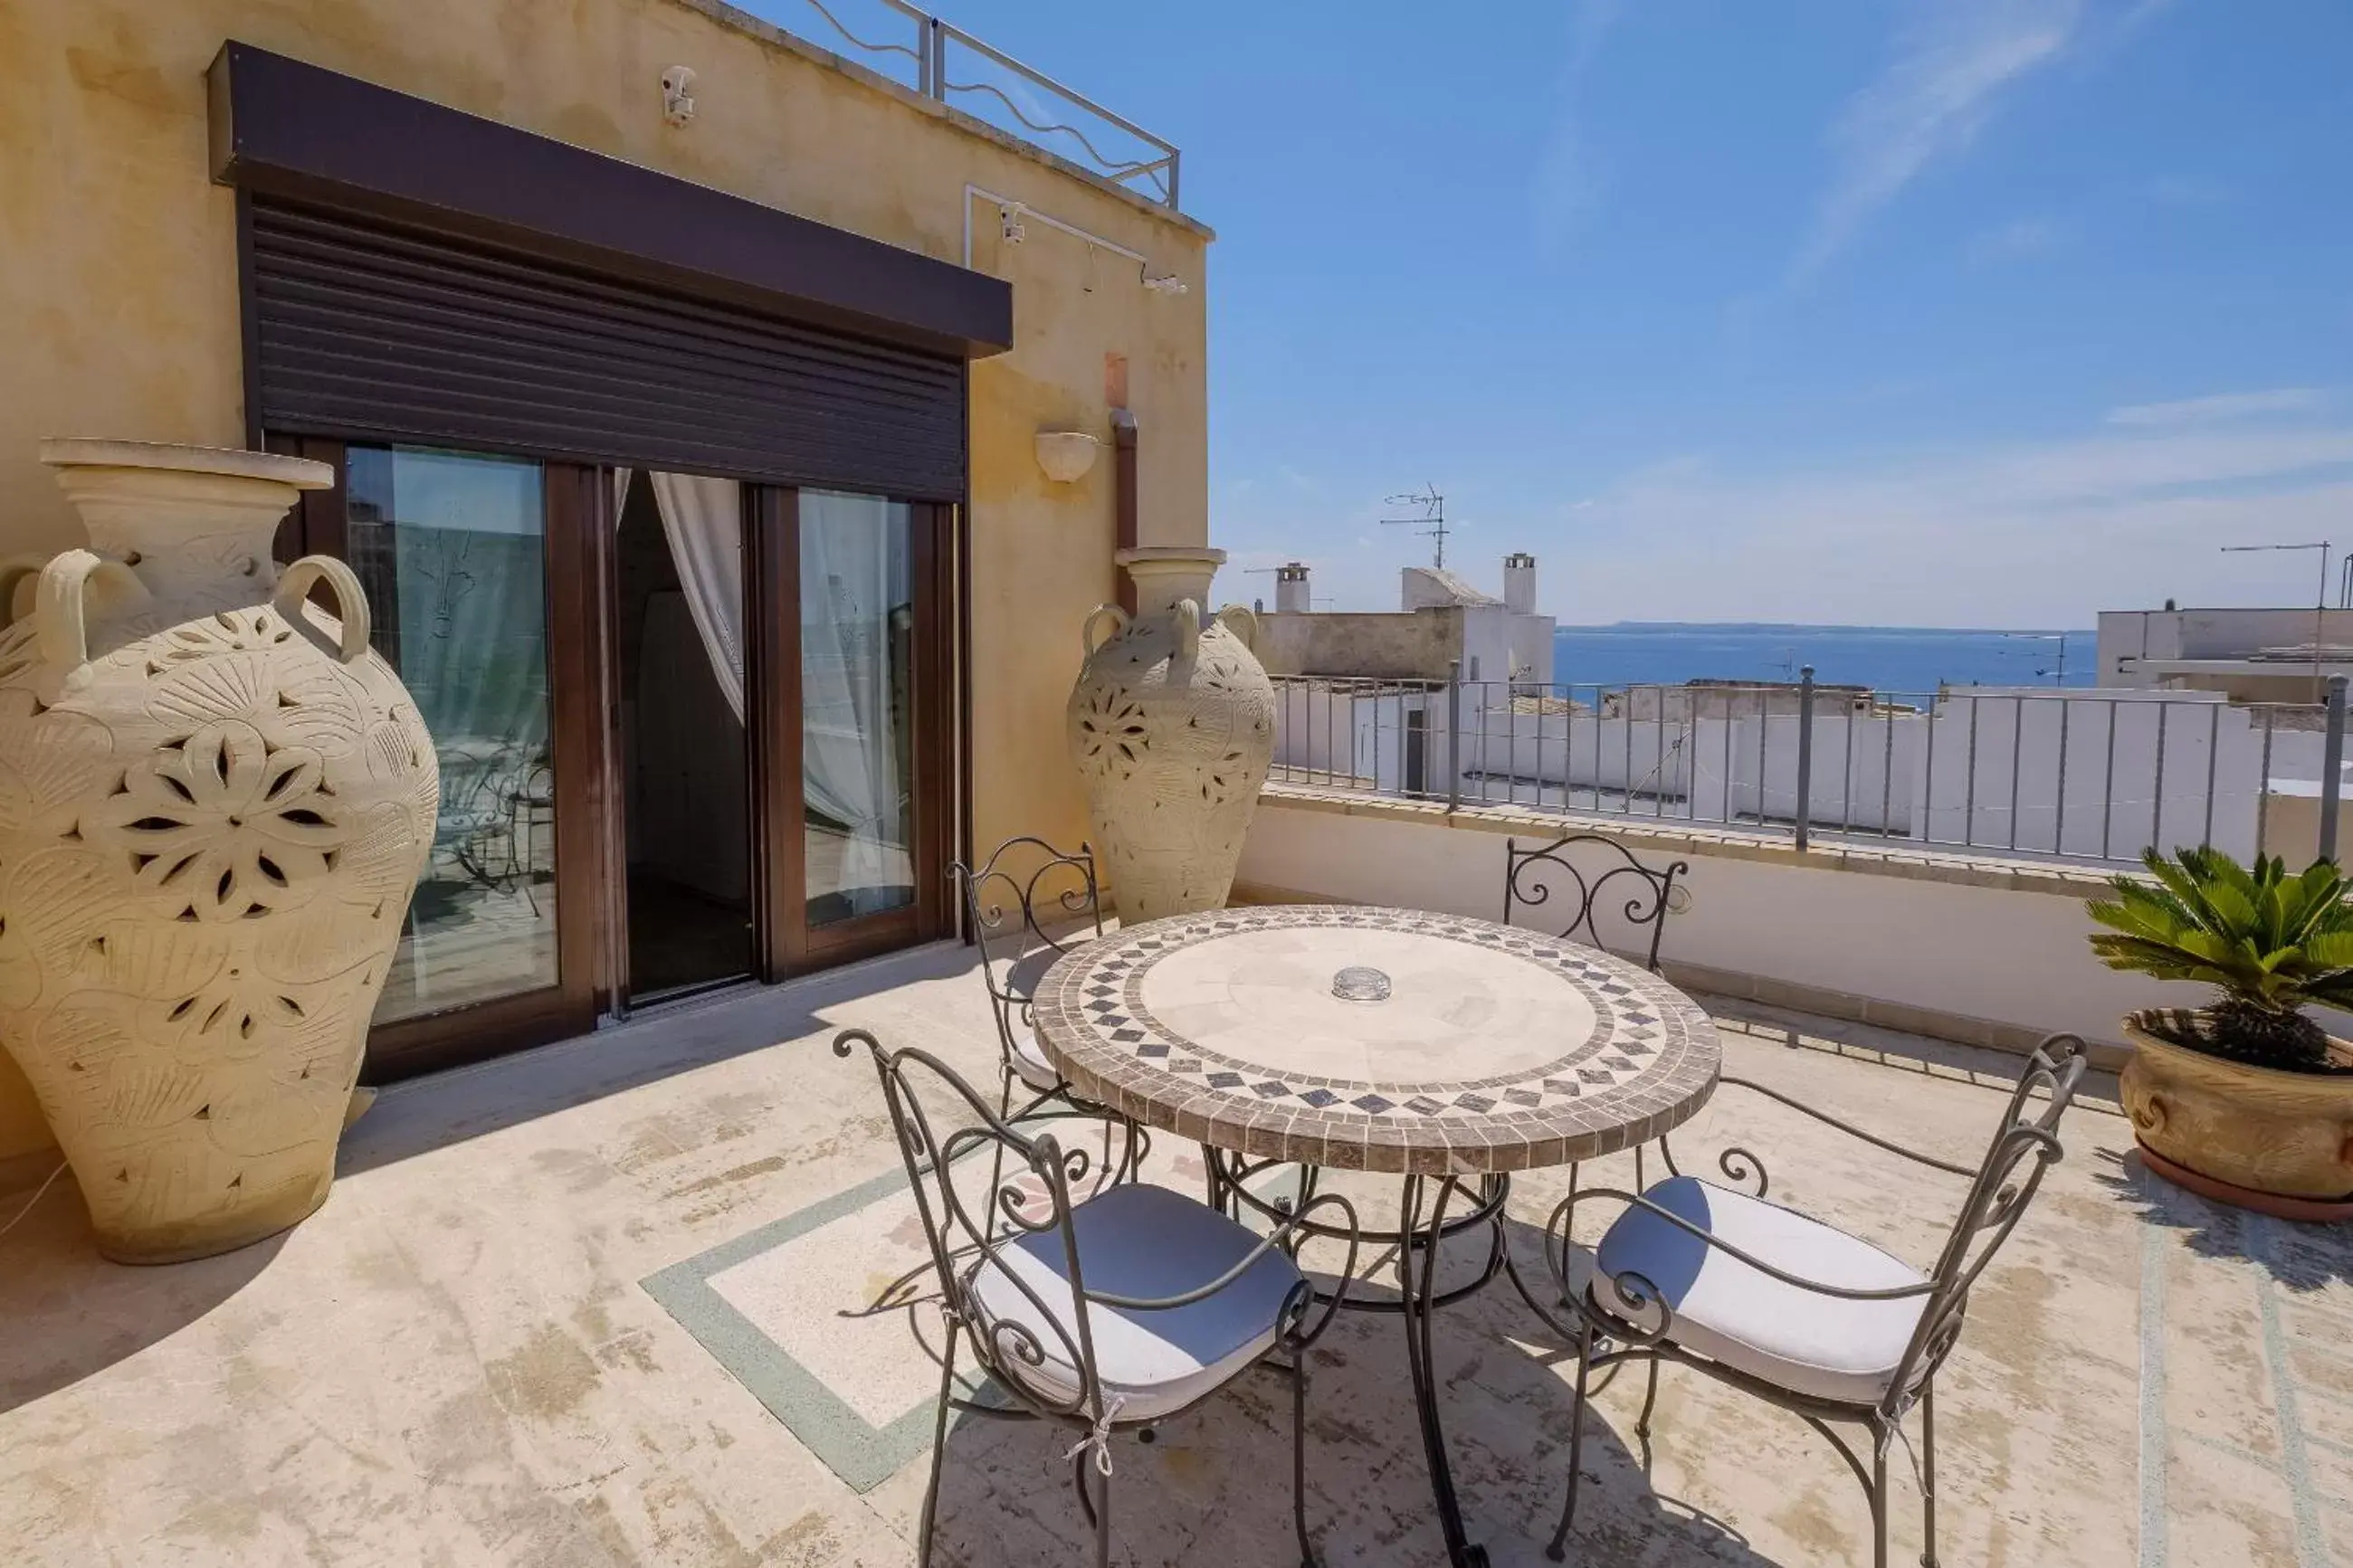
(119, 309)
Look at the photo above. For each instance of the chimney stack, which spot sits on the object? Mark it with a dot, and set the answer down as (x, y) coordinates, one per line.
(1520, 583)
(1291, 589)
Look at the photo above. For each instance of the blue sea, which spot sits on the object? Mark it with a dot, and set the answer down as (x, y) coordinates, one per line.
(1886, 658)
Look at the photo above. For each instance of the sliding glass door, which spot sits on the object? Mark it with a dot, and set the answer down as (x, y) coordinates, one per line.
(858, 685)
(858, 790)
(451, 548)
(688, 730)
(482, 571)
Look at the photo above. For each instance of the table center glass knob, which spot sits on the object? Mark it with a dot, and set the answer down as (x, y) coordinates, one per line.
(1359, 983)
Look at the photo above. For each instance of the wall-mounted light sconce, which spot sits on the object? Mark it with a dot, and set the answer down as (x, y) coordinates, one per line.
(1167, 285)
(1066, 454)
(678, 100)
(1009, 220)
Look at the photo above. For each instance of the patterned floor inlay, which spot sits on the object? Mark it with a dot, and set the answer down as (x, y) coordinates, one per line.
(829, 1318)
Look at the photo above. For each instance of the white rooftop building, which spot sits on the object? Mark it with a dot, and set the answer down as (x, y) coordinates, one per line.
(1443, 625)
(2249, 654)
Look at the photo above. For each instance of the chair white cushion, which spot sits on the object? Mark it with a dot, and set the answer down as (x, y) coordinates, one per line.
(1142, 1241)
(1826, 1346)
(1030, 1061)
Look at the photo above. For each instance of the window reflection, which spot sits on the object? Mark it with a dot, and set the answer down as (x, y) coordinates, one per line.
(451, 550)
(856, 665)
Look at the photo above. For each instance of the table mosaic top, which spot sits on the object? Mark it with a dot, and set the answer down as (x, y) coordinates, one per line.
(1375, 1039)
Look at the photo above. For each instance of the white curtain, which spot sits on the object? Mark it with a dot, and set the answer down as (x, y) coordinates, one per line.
(856, 598)
(703, 520)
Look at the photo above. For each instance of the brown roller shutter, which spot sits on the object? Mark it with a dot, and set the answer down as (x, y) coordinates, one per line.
(367, 330)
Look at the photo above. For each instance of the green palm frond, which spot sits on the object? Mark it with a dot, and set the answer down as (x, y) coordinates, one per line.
(2328, 949)
(2276, 941)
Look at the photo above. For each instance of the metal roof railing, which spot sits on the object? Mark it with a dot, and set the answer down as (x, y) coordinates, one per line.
(952, 66)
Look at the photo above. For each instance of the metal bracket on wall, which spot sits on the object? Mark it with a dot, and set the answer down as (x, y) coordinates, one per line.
(1014, 217)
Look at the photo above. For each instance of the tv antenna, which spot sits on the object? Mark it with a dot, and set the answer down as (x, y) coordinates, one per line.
(2055, 673)
(1430, 524)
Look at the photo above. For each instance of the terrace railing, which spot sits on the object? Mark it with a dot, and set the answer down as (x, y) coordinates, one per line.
(942, 61)
(2091, 774)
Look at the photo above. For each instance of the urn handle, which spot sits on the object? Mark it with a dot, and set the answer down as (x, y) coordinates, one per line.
(351, 600)
(60, 611)
(1087, 639)
(1186, 620)
(1243, 621)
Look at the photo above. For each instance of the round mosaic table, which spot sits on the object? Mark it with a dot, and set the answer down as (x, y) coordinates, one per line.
(1472, 1047)
(1446, 1050)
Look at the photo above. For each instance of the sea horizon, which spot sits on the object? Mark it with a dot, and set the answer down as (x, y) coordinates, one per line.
(1885, 659)
(1820, 626)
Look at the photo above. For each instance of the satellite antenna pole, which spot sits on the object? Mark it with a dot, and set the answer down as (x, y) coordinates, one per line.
(1430, 524)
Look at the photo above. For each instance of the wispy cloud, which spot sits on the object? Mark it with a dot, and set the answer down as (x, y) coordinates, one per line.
(1953, 64)
(2037, 533)
(2013, 241)
(2220, 407)
(1566, 179)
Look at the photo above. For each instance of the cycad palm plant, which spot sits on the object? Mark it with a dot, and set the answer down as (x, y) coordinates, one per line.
(2271, 942)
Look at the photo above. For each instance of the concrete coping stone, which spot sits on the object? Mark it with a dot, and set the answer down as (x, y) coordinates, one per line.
(1963, 869)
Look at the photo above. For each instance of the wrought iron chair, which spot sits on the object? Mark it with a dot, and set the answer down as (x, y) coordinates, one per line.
(1532, 876)
(1793, 1309)
(1110, 1313)
(1026, 886)
(1566, 865)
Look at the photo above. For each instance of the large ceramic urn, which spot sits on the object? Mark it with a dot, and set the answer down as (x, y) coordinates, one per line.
(215, 801)
(1172, 727)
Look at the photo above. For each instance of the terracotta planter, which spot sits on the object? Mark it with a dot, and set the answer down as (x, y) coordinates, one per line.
(2287, 1134)
(215, 801)
(1172, 728)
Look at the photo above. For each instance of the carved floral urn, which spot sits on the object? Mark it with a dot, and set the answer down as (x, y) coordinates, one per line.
(1172, 728)
(215, 802)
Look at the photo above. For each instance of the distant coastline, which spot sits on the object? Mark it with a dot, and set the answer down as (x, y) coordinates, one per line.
(1818, 626)
(1894, 659)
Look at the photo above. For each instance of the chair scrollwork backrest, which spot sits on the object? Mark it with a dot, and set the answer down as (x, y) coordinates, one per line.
(2025, 1145)
(1026, 906)
(1591, 873)
(973, 1208)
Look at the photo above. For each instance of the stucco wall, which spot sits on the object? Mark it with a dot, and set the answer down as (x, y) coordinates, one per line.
(1397, 645)
(119, 292)
(1946, 954)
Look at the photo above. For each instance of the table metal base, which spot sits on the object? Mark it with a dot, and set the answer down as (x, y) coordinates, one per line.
(1430, 1211)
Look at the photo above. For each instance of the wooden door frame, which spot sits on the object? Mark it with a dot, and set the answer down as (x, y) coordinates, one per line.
(577, 540)
(592, 916)
(790, 945)
(772, 660)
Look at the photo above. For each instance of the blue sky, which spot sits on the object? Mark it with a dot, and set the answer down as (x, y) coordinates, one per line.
(1945, 312)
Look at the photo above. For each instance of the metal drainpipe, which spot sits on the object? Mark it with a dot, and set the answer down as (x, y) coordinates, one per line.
(1123, 452)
